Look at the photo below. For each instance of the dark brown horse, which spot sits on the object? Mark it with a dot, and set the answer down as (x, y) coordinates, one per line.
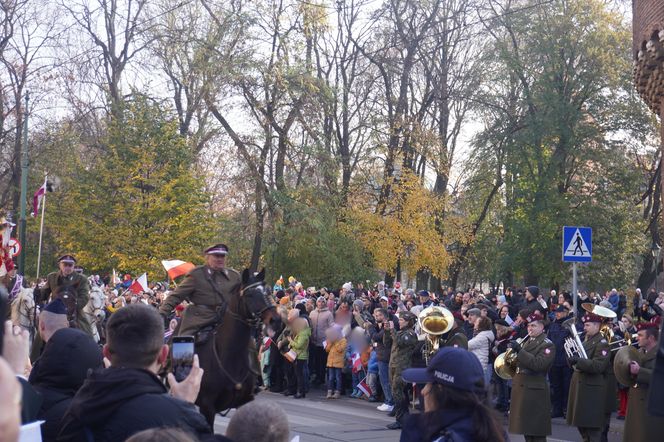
(229, 379)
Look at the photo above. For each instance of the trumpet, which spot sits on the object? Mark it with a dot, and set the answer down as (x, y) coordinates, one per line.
(624, 342)
(505, 363)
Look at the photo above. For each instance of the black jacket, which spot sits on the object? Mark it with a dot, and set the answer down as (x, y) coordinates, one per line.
(382, 351)
(115, 403)
(60, 372)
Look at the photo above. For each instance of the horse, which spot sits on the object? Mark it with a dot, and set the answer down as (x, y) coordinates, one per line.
(228, 379)
(23, 310)
(94, 312)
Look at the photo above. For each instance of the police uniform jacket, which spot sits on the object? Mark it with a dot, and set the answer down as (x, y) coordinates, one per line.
(587, 390)
(641, 426)
(79, 283)
(530, 410)
(206, 290)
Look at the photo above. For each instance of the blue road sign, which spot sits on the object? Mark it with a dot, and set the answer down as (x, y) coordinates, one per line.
(577, 244)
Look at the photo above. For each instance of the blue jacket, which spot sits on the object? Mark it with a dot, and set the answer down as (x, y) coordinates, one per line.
(373, 363)
(446, 424)
(614, 299)
(557, 334)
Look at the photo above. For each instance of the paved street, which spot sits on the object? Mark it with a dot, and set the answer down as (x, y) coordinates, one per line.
(315, 419)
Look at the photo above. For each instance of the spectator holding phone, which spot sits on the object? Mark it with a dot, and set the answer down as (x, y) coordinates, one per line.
(128, 397)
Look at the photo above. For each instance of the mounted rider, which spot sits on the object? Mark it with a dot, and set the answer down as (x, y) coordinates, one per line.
(73, 288)
(207, 288)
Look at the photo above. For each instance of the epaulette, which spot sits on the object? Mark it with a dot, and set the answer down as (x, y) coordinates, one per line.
(604, 341)
(232, 271)
(548, 341)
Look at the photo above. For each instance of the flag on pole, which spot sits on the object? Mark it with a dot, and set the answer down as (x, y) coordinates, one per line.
(176, 268)
(140, 284)
(37, 199)
(364, 387)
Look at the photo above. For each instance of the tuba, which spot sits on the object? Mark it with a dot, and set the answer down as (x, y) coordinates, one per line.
(435, 321)
(505, 363)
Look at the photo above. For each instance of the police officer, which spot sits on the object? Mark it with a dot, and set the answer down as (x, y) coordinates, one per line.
(403, 344)
(207, 288)
(530, 408)
(67, 280)
(640, 425)
(587, 390)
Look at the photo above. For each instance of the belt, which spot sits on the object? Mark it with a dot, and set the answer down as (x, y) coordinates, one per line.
(205, 305)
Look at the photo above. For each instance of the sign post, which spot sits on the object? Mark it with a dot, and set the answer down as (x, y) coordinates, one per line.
(577, 247)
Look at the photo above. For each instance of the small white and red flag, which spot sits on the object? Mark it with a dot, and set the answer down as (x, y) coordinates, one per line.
(356, 361)
(39, 196)
(364, 387)
(176, 268)
(140, 284)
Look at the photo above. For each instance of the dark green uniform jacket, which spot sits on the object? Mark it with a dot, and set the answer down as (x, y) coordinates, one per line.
(530, 410)
(205, 290)
(641, 426)
(79, 282)
(587, 390)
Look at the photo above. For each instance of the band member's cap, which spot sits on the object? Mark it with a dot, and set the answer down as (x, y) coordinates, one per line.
(646, 325)
(453, 367)
(56, 306)
(591, 317)
(78, 269)
(69, 259)
(217, 249)
(534, 316)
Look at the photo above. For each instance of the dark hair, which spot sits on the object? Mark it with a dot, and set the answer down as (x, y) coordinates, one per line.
(383, 311)
(483, 323)
(134, 336)
(486, 424)
(652, 332)
(524, 313)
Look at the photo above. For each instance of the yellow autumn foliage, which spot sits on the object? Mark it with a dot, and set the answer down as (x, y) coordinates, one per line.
(409, 229)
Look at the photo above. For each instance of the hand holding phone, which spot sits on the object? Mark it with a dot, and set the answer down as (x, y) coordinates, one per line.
(182, 356)
(188, 389)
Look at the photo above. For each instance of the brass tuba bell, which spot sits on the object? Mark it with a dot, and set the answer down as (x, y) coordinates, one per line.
(435, 321)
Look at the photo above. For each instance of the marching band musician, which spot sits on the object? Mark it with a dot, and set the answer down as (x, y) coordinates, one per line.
(530, 410)
(640, 425)
(611, 389)
(587, 388)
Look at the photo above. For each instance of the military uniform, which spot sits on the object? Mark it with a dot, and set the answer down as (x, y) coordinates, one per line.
(587, 390)
(206, 290)
(530, 409)
(403, 344)
(641, 426)
(79, 284)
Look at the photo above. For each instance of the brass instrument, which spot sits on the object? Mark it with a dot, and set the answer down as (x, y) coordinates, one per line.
(435, 321)
(628, 340)
(573, 345)
(505, 363)
(625, 356)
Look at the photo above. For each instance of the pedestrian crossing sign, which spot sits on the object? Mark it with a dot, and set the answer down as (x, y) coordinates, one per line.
(577, 244)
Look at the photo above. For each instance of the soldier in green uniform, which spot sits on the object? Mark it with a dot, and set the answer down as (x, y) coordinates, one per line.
(403, 344)
(530, 408)
(206, 288)
(611, 389)
(587, 390)
(66, 279)
(640, 425)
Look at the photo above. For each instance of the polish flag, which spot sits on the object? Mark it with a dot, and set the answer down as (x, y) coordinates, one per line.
(38, 197)
(176, 268)
(356, 361)
(140, 284)
(364, 387)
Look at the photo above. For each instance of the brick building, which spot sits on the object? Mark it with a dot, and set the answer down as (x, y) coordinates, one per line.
(648, 53)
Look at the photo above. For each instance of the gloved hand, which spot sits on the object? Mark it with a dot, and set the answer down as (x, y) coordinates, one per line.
(515, 346)
(573, 360)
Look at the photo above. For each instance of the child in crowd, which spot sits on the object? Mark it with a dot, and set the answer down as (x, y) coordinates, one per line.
(336, 349)
(299, 343)
(372, 376)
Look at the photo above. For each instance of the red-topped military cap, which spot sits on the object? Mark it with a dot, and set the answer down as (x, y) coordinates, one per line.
(591, 317)
(217, 249)
(68, 259)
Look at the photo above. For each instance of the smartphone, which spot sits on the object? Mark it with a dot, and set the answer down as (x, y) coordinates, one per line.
(182, 356)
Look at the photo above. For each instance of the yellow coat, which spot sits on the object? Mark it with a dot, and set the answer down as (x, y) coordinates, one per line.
(336, 353)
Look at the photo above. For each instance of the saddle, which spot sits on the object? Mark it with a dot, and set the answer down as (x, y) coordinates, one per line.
(203, 335)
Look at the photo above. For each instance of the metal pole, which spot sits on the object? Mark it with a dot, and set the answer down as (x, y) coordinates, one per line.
(574, 290)
(22, 225)
(41, 230)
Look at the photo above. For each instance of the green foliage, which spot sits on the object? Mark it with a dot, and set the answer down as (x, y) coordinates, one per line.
(139, 202)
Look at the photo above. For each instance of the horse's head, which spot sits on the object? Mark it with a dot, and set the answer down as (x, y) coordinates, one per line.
(97, 301)
(258, 298)
(23, 308)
